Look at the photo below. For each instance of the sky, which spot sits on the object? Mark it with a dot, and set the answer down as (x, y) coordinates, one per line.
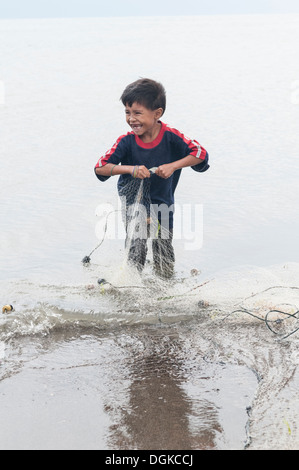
(102, 8)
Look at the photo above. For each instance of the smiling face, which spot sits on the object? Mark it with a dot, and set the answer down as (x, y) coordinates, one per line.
(143, 121)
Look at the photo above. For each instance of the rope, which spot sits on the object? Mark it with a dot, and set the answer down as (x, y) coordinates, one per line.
(268, 322)
(86, 259)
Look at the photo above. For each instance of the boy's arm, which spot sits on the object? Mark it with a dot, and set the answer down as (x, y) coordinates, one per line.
(111, 169)
(109, 164)
(166, 170)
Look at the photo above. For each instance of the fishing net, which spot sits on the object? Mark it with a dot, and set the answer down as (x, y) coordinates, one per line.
(146, 222)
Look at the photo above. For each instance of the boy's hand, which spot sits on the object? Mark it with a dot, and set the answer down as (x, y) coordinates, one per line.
(166, 170)
(143, 172)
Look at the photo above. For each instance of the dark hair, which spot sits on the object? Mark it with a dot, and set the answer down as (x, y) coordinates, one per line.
(147, 92)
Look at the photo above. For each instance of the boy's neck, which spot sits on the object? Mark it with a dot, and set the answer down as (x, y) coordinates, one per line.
(151, 136)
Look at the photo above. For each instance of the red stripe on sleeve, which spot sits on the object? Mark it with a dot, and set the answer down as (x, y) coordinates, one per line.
(195, 148)
(105, 158)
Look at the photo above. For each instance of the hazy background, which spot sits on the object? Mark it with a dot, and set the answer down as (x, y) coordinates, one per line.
(92, 8)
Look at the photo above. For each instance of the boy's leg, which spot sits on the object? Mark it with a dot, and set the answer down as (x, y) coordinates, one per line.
(136, 239)
(137, 253)
(163, 255)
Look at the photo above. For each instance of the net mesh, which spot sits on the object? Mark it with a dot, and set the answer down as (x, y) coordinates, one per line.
(146, 222)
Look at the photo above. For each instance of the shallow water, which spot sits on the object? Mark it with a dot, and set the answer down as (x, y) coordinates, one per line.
(129, 389)
(199, 362)
(84, 367)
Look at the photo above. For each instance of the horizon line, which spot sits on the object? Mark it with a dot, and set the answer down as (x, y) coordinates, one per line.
(146, 15)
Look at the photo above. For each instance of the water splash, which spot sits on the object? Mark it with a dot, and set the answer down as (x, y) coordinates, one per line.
(128, 298)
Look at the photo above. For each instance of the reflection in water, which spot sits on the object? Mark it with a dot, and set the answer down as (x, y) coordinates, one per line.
(159, 410)
(140, 387)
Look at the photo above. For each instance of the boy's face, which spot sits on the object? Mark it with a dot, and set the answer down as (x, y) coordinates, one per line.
(143, 121)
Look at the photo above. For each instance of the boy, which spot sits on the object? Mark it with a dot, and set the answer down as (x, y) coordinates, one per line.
(151, 145)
